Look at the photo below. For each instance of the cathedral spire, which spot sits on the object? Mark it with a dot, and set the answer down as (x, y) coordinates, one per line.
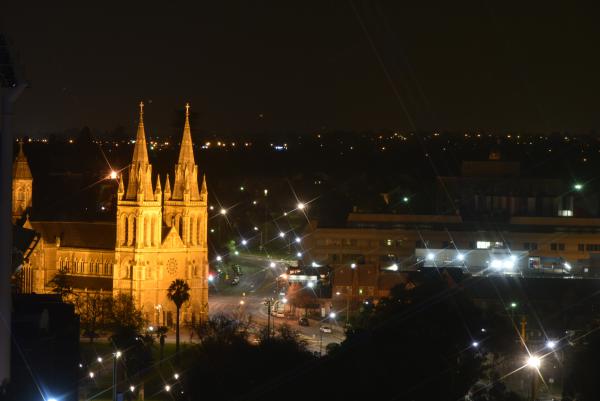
(140, 172)
(140, 153)
(186, 152)
(185, 185)
(204, 188)
(21, 166)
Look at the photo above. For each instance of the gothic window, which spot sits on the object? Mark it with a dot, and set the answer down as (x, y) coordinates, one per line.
(181, 228)
(21, 194)
(132, 233)
(125, 229)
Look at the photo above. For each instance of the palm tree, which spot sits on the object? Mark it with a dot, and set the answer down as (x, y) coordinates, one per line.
(178, 292)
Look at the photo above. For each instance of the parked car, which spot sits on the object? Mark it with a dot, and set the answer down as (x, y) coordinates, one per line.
(303, 321)
(325, 329)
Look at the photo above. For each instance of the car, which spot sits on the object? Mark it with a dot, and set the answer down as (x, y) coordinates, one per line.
(235, 281)
(325, 329)
(303, 321)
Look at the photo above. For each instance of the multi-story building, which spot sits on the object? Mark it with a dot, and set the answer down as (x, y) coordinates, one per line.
(158, 236)
(540, 226)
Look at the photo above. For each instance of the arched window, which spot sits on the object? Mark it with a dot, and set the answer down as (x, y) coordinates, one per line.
(181, 228)
(125, 232)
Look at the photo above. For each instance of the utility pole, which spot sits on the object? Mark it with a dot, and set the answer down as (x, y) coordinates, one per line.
(11, 86)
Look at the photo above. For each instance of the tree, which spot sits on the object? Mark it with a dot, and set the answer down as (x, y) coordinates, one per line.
(93, 310)
(61, 284)
(178, 292)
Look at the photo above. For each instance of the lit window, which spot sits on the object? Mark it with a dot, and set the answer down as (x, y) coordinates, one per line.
(483, 244)
(388, 242)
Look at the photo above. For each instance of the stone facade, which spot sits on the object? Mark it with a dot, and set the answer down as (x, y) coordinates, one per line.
(152, 243)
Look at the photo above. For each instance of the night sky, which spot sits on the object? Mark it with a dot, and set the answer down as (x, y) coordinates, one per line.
(307, 66)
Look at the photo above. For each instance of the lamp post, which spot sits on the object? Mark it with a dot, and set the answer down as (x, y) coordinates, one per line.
(534, 362)
(116, 356)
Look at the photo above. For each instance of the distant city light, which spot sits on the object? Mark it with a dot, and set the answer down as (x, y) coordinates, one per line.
(513, 305)
(241, 188)
(266, 192)
(405, 199)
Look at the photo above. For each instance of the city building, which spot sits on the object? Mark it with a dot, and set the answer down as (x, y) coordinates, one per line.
(494, 222)
(158, 236)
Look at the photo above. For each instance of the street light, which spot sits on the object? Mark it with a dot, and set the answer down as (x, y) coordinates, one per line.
(551, 344)
(534, 361)
(299, 254)
(131, 388)
(219, 258)
(272, 265)
(298, 240)
(282, 234)
(167, 387)
(310, 284)
(301, 205)
(223, 211)
(244, 242)
(475, 344)
(578, 187)
(99, 359)
(353, 265)
(176, 376)
(332, 315)
(113, 175)
(91, 375)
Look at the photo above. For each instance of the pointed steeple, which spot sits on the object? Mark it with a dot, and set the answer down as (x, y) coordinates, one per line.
(140, 152)
(140, 172)
(185, 185)
(21, 169)
(186, 152)
(167, 188)
(158, 189)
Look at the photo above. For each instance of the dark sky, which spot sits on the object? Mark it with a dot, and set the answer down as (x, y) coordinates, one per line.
(308, 65)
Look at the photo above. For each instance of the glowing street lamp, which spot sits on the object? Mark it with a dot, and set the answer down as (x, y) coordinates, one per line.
(113, 175)
(176, 376)
(353, 265)
(282, 234)
(299, 254)
(578, 187)
(272, 265)
(244, 242)
(310, 284)
(167, 387)
(551, 344)
(301, 205)
(475, 344)
(219, 258)
(91, 375)
(99, 359)
(332, 315)
(223, 211)
(534, 362)
(131, 388)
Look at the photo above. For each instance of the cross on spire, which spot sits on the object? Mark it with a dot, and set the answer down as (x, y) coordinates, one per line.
(187, 109)
(141, 109)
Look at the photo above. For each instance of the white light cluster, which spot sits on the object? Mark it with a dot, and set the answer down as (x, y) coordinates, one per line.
(504, 264)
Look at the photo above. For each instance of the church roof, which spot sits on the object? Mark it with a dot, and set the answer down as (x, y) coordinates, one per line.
(78, 234)
(21, 169)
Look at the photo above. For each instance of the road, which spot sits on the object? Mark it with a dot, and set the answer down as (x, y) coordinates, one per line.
(246, 300)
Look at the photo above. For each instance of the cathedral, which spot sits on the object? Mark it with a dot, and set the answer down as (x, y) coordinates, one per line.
(158, 236)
